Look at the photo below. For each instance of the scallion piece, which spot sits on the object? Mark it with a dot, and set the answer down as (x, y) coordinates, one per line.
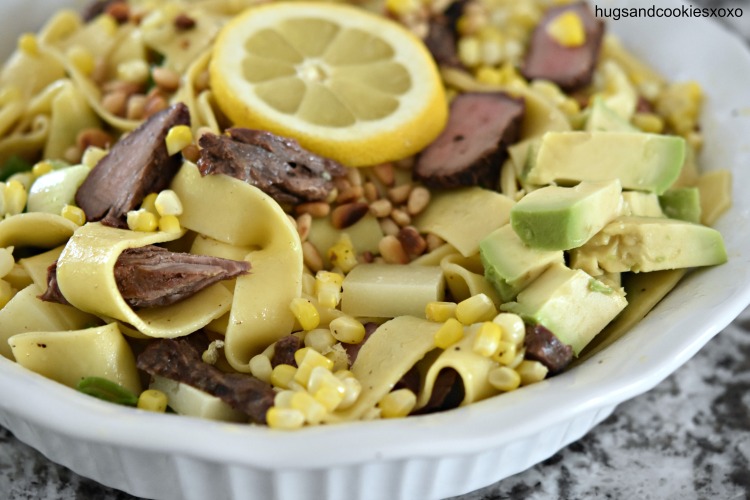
(107, 390)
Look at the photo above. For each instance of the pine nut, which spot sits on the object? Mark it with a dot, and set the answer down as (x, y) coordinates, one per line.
(154, 104)
(349, 195)
(191, 153)
(381, 208)
(354, 176)
(400, 217)
(389, 227)
(304, 222)
(384, 172)
(371, 191)
(315, 208)
(166, 79)
(418, 200)
(119, 11)
(399, 194)
(348, 214)
(311, 257)
(93, 137)
(434, 241)
(412, 242)
(392, 251)
(115, 102)
(136, 107)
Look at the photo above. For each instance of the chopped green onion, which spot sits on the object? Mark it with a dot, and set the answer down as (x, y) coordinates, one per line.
(107, 390)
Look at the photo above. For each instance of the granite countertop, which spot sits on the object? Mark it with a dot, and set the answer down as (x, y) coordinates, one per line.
(688, 438)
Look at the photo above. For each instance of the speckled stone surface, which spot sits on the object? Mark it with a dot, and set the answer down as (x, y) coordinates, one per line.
(688, 438)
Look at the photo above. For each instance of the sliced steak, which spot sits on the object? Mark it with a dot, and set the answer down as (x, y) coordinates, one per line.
(447, 392)
(137, 165)
(569, 67)
(284, 349)
(153, 276)
(442, 35)
(177, 359)
(278, 166)
(542, 345)
(473, 146)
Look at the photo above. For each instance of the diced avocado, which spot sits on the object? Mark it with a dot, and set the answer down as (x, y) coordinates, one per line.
(641, 204)
(644, 244)
(642, 161)
(510, 265)
(682, 203)
(602, 118)
(560, 218)
(570, 303)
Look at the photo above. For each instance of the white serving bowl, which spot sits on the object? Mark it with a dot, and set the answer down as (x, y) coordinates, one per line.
(172, 457)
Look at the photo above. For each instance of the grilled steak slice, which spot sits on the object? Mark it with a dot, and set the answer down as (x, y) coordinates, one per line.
(447, 392)
(153, 276)
(278, 166)
(284, 349)
(442, 35)
(542, 345)
(473, 146)
(569, 67)
(136, 165)
(177, 359)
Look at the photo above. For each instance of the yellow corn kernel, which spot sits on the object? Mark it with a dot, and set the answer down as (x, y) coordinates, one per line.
(149, 203)
(487, 339)
(322, 377)
(488, 75)
(440, 311)
(168, 203)
(141, 220)
(136, 71)
(469, 51)
(169, 224)
(475, 309)
(7, 262)
(152, 400)
(177, 138)
(451, 332)
(397, 404)
(15, 197)
(41, 168)
(74, 214)
(27, 44)
(283, 399)
(319, 339)
(309, 406)
(107, 24)
(402, 7)
(305, 312)
(282, 375)
(514, 329)
(82, 59)
(6, 292)
(567, 29)
(649, 122)
(505, 353)
(307, 362)
(504, 379)
(92, 155)
(25, 178)
(328, 397)
(680, 103)
(352, 390)
(342, 254)
(347, 329)
(531, 372)
(284, 418)
(260, 367)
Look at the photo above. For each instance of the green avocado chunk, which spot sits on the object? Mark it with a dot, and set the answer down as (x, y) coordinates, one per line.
(642, 161)
(510, 265)
(570, 303)
(561, 218)
(641, 204)
(644, 244)
(682, 203)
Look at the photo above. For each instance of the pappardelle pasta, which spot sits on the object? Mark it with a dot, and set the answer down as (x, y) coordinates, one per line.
(296, 213)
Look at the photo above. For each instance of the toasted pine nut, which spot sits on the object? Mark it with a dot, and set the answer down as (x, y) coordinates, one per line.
(392, 251)
(136, 107)
(384, 172)
(399, 194)
(354, 176)
(433, 241)
(370, 191)
(351, 194)
(315, 208)
(115, 102)
(311, 257)
(167, 79)
(342, 183)
(400, 217)
(304, 222)
(93, 137)
(120, 11)
(412, 242)
(154, 104)
(381, 208)
(348, 214)
(191, 152)
(418, 200)
(389, 227)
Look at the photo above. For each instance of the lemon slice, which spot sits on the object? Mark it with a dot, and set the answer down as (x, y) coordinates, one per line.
(347, 84)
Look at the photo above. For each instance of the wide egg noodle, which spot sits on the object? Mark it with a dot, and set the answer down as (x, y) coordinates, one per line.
(36, 266)
(202, 110)
(71, 114)
(465, 278)
(25, 142)
(85, 275)
(35, 229)
(234, 212)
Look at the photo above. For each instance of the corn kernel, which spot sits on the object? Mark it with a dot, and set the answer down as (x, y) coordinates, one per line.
(260, 367)
(305, 312)
(25, 178)
(342, 254)
(329, 397)
(488, 75)
(282, 375)
(307, 362)
(168, 203)
(487, 339)
(440, 311)
(6, 292)
(169, 224)
(514, 329)
(531, 372)
(149, 203)
(82, 59)
(177, 138)
(74, 214)
(321, 377)
(27, 44)
(469, 51)
(348, 330)
(505, 354)
(135, 71)
(451, 332)
(504, 379)
(7, 262)
(15, 197)
(141, 220)
(284, 418)
(475, 309)
(152, 400)
(93, 155)
(107, 24)
(402, 7)
(397, 404)
(567, 29)
(41, 168)
(319, 339)
(313, 411)
(649, 122)
(352, 390)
